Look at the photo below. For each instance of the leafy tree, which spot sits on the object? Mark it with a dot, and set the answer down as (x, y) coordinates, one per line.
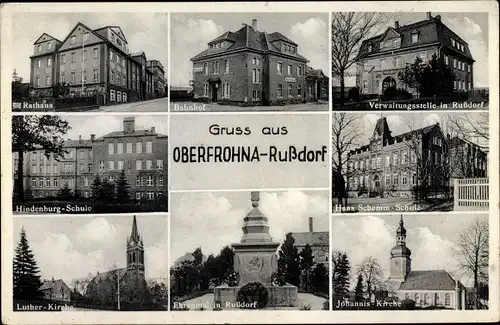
(358, 291)
(122, 189)
(26, 281)
(107, 191)
(60, 90)
(31, 132)
(65, 192)
(96, 187)
(288, 262)
(341, 271)
(19, 90)
(225, 262)
(372, 274)
(320, 278)
(306, 263)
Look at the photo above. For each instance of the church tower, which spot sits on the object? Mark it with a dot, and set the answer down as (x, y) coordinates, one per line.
(400, 257)
(135, 251)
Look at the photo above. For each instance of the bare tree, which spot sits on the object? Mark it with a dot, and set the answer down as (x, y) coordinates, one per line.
(346, 131)
(471, 126)
(473, 250)
(349, 29)
(80, 284)
(372, 273)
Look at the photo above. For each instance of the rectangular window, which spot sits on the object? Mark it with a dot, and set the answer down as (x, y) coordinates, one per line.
(129, 147)
(159, 164)
(151, 195)
(279, 68)
(84, 55)
(289, 69)
(112, 95)
(149, 180)
(446, 60)
(160, 180)
(33, 182)
(111, 55)
(63, 77)
(39, 63)
(205, 68)
(149, 147)
(299, 71)
(388, 180)
(414, 37)
(290, 90)
(120, 165)
(84, 75)
(49, 62)
(38, 81)
(138, 147)
(454, 63)
(205, 90)
(63, 58)
(111, 165)
(256, 76)
(226, 66)
(387, 161)
(73, 57)
(112, 76)
(279, 91)
(395, 159)
(73, 77)
(468, 67)
(149, 164)
(101, 165)
(39, 48)
(73, 39)
(95, 53)
(86, 36)
(96, 74)
(119, 148)
(111, 148)
(118, 96)
(47, 81)
(395, 179)
(138, 165)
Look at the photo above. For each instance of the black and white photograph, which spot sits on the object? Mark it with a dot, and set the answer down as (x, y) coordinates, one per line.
(92, 61)
(249, 250)
(89, 164)
(111, 263)
(410, 61)
(409, 262)
(249, 62)
(410, 162)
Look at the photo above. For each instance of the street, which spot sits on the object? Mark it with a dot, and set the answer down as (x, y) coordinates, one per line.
(153, 105)
(213, 107)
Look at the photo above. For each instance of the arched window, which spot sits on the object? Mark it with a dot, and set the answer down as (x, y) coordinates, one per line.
(436, 299)
(417, 298)
(426, 299)
(447, 301)
(133, 257)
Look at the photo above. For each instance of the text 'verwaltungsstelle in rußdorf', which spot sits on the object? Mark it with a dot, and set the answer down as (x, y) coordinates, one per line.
(236, 154)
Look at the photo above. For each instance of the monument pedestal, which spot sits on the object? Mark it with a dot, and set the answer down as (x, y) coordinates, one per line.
(284, 296)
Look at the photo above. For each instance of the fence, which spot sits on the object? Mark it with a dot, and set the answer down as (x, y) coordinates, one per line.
(471, 194)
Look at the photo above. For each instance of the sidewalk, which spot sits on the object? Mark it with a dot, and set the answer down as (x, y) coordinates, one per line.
(127, 105)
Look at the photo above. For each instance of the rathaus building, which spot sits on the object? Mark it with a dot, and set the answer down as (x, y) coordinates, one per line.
(382, 57)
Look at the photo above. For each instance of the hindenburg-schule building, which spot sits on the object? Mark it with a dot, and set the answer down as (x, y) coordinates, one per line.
(394, 165)
(380, 58)
(256, 68)
(140, 153)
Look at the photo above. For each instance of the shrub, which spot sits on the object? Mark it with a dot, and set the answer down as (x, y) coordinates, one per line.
(408, 304)
(253, 292)
(354, 94)
(326, 305)
(278, 279)
(306, 307)
(232, 279)
(393, 93)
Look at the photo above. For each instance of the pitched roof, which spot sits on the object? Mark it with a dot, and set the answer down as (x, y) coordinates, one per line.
(316, 238)
(428, 280)
(77, 143)
(52, 37)
(116, 134)
(248, 38)
(51, 284)
(109, 275)
(430, 31)
(115, 28)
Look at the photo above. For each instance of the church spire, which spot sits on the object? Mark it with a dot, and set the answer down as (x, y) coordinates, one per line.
(401, 233)
(135, 234)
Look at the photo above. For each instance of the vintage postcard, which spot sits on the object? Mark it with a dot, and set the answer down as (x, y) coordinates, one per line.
(237, 162)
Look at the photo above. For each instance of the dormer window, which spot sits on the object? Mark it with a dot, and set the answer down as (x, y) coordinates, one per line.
(414, 37)
(462, 47)
(293, 50)
(453, 42)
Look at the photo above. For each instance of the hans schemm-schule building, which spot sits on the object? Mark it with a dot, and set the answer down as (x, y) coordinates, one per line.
(256, 68)
(142, 154)
(394, 165)
(95, 61)
(381, 57)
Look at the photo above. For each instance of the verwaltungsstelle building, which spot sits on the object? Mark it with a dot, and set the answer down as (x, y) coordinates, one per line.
(393, 165)
(382, 57)
(140, 153)
(255, 68)
(95, 61)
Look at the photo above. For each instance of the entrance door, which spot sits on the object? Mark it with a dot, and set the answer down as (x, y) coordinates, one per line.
(376, 183)
(214, 92)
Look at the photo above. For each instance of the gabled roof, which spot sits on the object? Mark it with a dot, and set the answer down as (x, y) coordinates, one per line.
(430, 31)
(428, 280)
(116, 29)
(116, 134)
(109, 275)
(141, 53)
(316, 238)
(50, 36)
(77, 143)
(47, 285)
(86, 27)
(248, 38)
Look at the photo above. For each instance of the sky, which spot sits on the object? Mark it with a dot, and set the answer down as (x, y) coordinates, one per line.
(432, 239)
(310, 130)
(72, 247)
(212, 220)
(144, 32)
(191, 32)
(471, 27)
(103, 124)
(401, 123)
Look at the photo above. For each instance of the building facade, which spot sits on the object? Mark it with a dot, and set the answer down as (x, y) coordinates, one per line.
(382, 57)
(394, 165)
(467, 159)
(158, 77)
(427, 287)
(317, 240)
(56, 290)
(141, 154)
(128, 283)
(251, 67)
(90, 62)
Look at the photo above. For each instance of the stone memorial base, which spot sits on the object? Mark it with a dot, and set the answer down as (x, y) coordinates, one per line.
(284, 296)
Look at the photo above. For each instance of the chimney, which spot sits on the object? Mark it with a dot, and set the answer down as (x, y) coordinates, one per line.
(254, 24)
(92, 137)
(52, 279)
(153, 130)
(311, 224)
(129, 124)
(438, 17)
(396, 24)
(429, 15)
(80, 138)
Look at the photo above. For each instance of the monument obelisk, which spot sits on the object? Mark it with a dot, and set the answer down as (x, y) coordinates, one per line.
(255, 260)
